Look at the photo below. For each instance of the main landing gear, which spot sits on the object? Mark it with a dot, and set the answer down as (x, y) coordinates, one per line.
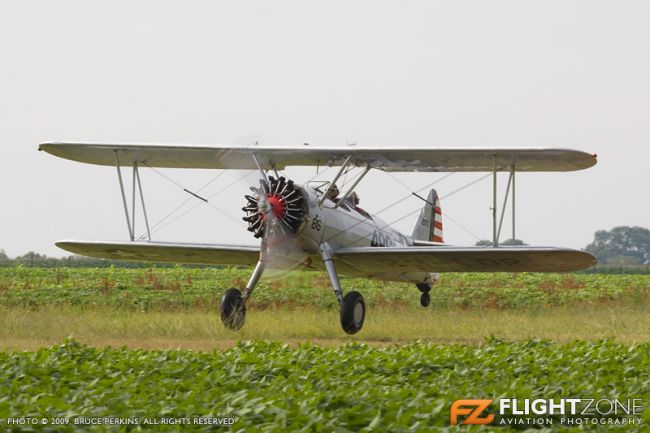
(233, 302)
(425, 298)
(353, 312)
(233, 309)
(352, 305)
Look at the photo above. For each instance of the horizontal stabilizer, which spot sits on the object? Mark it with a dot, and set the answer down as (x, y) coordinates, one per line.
(429, 159)
(165, 252)
(376, 260)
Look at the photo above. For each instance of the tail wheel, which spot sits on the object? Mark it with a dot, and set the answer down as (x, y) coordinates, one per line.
(353, 312)
(233, 309)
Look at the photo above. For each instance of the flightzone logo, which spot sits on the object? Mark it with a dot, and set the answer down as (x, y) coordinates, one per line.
(540, 412)
(472, 410)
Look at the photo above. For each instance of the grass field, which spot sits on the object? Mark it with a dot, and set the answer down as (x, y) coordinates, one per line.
(178, 307)
(29, 329)
(484, 336)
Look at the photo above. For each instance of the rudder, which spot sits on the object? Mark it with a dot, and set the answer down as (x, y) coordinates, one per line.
(429, 224)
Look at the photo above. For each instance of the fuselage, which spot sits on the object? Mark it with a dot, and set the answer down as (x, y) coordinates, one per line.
(343, 226)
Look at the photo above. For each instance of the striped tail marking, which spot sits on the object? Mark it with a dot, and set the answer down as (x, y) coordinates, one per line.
(436, 222)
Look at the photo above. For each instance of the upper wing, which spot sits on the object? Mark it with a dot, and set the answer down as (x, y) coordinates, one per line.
(382, 260)
(389, 159)
(165, 252)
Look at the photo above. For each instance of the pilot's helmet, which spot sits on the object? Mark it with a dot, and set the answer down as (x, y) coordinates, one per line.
(354, 198)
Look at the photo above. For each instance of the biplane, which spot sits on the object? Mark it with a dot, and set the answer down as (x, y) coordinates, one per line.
(317, 227)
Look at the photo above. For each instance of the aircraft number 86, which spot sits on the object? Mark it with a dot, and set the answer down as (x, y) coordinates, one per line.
(316, 224)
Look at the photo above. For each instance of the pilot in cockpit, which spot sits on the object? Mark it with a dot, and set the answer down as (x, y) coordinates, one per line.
(353, 199)
(333, 193)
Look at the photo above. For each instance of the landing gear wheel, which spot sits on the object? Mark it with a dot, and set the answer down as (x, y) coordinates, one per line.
(425, 299)
(233, 310)
(353, 312)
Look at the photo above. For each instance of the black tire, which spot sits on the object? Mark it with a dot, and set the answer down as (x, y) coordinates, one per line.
(353, 312)
(233, 310)
(425, 299)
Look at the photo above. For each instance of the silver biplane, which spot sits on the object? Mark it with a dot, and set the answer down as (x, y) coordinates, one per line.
(316, 227)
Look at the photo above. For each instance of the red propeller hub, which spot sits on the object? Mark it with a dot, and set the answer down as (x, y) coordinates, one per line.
(278, 205)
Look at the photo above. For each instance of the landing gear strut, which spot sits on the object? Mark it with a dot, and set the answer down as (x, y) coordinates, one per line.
(233, 302)
(353, 307)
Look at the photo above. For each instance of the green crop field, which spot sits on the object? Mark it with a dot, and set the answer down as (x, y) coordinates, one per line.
(178, 307)
(165, 289)
(291, 368)
(273, 387)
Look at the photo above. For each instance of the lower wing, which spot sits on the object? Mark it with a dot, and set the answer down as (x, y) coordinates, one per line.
(165, 252)
(366, 260)
(380, 260)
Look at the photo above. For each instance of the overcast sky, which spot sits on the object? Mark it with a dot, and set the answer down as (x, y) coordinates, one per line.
(463, 73)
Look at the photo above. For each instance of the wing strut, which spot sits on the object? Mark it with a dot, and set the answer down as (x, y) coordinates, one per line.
(513, 202)
(130, 219)
(144, 209)
(354, 185)
(496, 230)
(338, 175)
(495, 239)
(126, 208)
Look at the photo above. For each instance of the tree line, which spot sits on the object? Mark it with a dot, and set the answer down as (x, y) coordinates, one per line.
(32, 259)
(619, 249)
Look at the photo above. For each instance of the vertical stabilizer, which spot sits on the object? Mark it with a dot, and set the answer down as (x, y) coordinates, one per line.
(429, 224)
